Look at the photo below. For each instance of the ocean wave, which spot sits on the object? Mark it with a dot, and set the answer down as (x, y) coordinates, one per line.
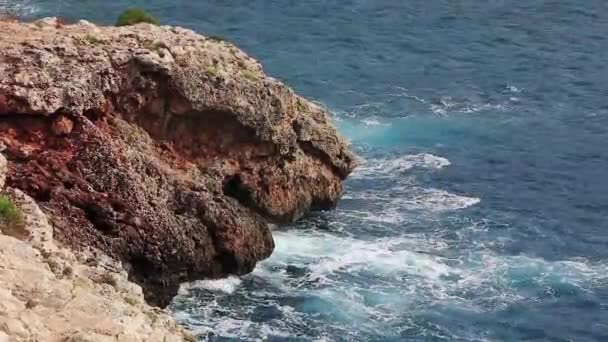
(226, 285)
(447, 104)
(318, 286)
(371, 122)
(382, 256)
(20, 8)
(438, 200)
(390, 167)
(395, 205)
(418, 263)
(405, 93)
(513, 89)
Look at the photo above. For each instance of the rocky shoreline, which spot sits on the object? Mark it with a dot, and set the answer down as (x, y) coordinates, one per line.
(164, 151)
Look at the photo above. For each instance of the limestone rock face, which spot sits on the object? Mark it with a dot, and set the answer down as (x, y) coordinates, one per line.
(166, 150)
(48, 293)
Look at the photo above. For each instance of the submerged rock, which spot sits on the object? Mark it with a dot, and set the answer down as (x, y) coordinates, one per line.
(164, 149)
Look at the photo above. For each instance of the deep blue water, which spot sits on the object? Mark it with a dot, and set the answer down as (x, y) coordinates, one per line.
(480, 209)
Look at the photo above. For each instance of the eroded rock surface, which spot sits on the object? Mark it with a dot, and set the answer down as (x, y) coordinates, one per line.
(48, 293)
(166, 150)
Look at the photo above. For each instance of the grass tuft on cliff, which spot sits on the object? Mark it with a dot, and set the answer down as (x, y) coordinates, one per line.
(134, 16)
(11, 219)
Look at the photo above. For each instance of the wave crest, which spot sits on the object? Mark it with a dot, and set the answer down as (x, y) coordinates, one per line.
(389, 167)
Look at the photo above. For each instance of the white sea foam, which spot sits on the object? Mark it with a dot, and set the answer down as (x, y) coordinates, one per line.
(416, 262)
(390, 280)
(391, 205)
(371, 122)
(513, 89)
(438, 200)
(395, 205)
(226, 285)
(377, 168)
(447, 105)
(404, 93)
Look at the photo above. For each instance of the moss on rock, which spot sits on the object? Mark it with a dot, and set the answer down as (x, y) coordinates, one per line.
(134, 16)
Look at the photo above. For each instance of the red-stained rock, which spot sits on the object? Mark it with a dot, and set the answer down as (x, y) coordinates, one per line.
(62, 125)
(165, 150)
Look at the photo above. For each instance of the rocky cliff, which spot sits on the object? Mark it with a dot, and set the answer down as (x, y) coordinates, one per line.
(51, 294)
(167, 151)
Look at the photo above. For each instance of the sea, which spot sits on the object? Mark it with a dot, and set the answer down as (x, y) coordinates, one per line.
(479, 210)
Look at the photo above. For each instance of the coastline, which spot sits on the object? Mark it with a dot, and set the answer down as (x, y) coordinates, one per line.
(159, 156)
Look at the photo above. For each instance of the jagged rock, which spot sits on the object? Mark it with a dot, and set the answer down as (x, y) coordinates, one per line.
(48, 293)
(178, 152)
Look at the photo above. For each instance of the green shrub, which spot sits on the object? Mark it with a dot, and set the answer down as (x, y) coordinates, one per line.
(134, 16)
(11, 219)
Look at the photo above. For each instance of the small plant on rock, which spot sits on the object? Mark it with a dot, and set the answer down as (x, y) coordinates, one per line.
(134, 16)
(11, 219)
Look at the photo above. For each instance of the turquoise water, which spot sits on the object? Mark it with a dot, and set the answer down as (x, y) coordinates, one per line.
(479, 211)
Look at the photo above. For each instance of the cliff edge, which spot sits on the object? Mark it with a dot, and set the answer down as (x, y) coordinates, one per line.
(168, 151)
(51, 294)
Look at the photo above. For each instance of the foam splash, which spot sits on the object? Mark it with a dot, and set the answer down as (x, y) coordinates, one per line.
(394, 205)
(513, 89)
(384, 256)
(226, 285)
(389, 167)
(446, 105)
(423, 266)
(439, 200)
(320, 285)
(371, 122)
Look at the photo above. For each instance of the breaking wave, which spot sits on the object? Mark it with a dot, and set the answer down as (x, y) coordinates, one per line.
(329, 287)
(389, 167)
